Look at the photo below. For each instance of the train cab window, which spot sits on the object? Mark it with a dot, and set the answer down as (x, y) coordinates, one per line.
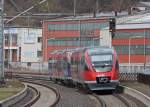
(102, 62)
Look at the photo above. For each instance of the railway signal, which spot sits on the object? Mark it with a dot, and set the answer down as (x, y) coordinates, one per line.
(112, 26)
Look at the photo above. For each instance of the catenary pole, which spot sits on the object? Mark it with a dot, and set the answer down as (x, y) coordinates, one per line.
(1, 42)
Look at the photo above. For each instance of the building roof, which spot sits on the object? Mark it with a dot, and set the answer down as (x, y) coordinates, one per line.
(133, 26)
(140, 21)
(140, 18)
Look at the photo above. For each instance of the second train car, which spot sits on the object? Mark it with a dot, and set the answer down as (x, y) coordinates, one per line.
(94, 68)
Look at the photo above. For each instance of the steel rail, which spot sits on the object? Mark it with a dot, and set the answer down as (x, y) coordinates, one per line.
(122, 99)
(102, 102)
(29, 80)
(30, 103)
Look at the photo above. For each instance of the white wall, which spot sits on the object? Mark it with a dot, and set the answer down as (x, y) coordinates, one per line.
(105, 38)
(11, 32)
(29, 44)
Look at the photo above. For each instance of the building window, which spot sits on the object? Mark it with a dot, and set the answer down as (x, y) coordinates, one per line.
(14, 39)
(7, 39)
(126, 35)
(147, 50)
(6, 54)
(77, 26)
(134, 50)
(29, 64)
(39, 53)
(74, 42)
(39, 39)
(14, 55)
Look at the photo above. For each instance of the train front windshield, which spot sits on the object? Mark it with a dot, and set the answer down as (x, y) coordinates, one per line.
(102, 62)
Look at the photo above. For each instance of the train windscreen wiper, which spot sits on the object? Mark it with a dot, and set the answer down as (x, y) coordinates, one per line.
(102, 65)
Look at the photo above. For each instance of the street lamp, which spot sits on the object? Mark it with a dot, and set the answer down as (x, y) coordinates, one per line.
(135, 37)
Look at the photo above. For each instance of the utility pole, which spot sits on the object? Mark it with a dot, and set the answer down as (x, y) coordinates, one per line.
(74, 7)
(97, 6)
(144, 50)
(1, 42)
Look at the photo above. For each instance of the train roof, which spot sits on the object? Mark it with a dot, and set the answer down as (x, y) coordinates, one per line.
(102, 49)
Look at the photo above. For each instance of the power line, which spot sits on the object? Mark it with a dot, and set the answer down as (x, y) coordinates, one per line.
(36, 4)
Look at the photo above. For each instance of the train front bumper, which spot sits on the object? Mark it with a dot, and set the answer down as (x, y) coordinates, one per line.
(93, 85)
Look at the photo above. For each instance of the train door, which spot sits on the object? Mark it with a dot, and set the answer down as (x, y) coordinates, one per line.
(50, 67)
(65, 66)
(80, 73)
(74, 66)
(82, 66)
(69, 54)
(59, 65)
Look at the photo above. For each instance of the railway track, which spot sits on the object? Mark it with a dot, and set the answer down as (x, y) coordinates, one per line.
(118, 100)
(49, 96)
(31, 97)
(70, 96)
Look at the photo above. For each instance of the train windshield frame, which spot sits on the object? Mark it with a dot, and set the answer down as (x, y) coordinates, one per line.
(102, 62)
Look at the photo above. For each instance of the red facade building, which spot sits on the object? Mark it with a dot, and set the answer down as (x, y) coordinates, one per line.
(70, 33)
(132, 42)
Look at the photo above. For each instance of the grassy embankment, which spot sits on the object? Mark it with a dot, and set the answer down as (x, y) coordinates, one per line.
(11, 88)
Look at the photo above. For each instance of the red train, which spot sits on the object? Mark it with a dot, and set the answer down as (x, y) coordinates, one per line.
(94, 68)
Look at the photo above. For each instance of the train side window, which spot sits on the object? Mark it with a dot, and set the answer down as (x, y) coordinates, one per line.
(85, 67)
(117, 64)
(71, 60)
(82, 60)
(50, 66)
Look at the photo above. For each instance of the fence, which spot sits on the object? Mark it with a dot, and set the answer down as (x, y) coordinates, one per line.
(28, 66)
(130, 73)
(127, 73)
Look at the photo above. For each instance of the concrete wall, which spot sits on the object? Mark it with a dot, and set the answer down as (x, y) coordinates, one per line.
(134, 68)
(35, 66)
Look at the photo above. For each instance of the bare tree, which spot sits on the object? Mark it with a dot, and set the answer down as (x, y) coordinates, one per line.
(117, 6)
